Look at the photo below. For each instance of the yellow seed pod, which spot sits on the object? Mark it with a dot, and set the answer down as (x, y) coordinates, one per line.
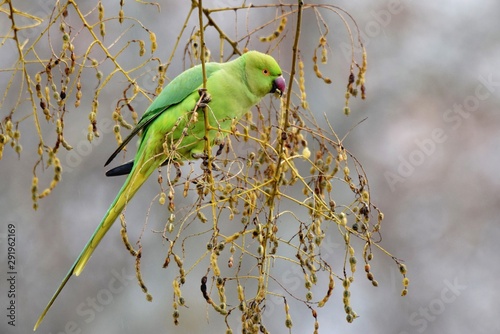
(202, 217)
(8, 126)
(100, 9)
(214, 265)
(152, 38)
(365, 195)
(162, 198)
(347, 236)
(58, 126)
(142, 48)
(170, 227)
(176, 287)
(135, 116)
(306, 153)
(47, 93)
(322, 40)
(277, 32)
(34, 184)
(207, 54)
(45, 193)
(352, 262)
(309, 296)
(120, 16)
(317, 71)
(324, 55)
(362, 70)
(406, 281)
(102, 29)
(241, 294)
(343, 221)
(351, 250)
(380, 216)
(118, 137)
(233, 237)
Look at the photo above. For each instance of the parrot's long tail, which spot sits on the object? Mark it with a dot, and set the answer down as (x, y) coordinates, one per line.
(136, 178)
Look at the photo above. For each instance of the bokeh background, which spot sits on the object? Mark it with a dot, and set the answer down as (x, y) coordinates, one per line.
(430, 146)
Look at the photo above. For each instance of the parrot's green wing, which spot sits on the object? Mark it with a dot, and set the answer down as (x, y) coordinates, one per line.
(175, 92)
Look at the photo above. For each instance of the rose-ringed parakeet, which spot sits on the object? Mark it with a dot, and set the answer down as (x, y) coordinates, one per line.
(232, 89)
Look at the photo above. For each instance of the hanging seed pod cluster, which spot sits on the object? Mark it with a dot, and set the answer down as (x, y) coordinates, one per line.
(266, 195)
(58, 83)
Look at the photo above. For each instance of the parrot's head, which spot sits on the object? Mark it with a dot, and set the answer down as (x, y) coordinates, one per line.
(263, 74)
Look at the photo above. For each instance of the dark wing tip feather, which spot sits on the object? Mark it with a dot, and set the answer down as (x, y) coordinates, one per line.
(124, 169)
(115, 153)
(136, 130)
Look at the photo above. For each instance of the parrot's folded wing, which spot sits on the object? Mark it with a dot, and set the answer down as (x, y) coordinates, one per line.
(175, 92)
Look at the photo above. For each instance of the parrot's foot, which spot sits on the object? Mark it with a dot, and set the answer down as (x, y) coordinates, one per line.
(219, 150)
(204, 164)
(215, 168)
(201, 155)
(205, 97)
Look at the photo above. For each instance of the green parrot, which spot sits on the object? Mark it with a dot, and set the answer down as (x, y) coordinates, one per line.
(232, 89)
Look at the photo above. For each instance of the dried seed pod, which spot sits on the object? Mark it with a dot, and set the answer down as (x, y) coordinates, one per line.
(275, 34)
(152, 38)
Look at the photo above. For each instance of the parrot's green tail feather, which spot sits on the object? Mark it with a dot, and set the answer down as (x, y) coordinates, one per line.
(63, 283)
(129, 188)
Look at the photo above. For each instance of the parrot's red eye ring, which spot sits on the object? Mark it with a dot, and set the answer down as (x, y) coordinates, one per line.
(265, 71)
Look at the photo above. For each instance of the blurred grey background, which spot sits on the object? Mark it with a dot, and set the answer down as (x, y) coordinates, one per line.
(430, 146)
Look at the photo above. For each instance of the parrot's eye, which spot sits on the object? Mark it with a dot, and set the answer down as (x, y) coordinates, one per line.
(265, 71)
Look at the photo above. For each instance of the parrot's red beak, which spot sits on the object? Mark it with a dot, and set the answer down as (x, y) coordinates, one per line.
(279, 85)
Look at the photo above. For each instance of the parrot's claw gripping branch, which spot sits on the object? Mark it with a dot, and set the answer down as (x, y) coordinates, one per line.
(205, 98)
(205, 159)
